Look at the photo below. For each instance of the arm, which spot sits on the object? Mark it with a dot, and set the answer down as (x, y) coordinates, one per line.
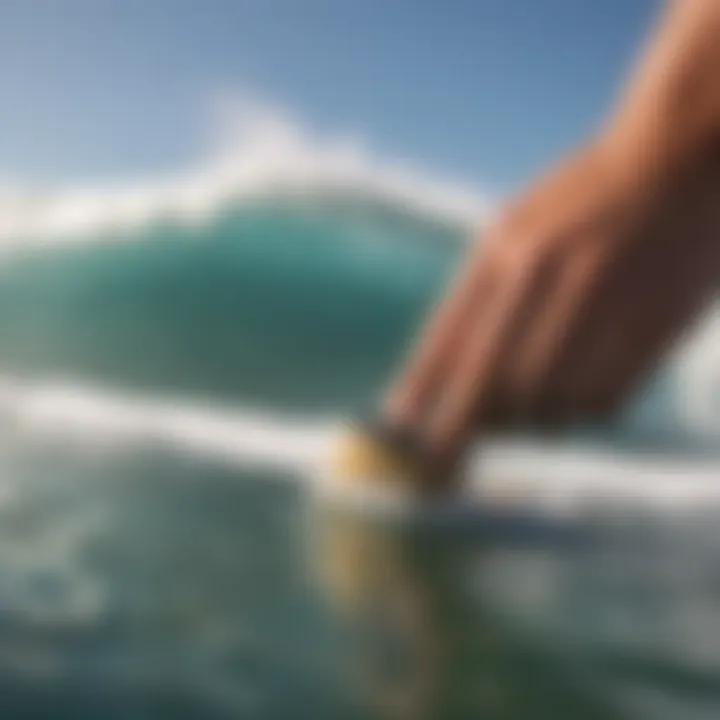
(588, 277)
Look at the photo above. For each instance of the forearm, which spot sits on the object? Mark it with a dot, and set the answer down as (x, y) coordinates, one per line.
(669, 113)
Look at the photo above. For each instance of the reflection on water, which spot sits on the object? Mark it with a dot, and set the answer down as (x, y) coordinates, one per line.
(144, 586)
(425, 643)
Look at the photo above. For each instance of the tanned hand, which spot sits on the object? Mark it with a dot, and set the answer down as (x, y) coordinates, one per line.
(581, 285)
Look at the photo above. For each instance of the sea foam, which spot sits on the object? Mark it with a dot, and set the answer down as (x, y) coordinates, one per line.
(550, 477)
(267, 153)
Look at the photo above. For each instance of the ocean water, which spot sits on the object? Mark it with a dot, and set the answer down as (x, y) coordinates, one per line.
(174, 360)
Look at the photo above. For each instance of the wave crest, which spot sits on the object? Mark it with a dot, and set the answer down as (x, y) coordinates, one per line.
(267, 154)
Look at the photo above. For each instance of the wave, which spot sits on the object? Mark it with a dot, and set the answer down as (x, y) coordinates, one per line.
(269, 155)
(552, 478)
(281, 306)
(285, 270)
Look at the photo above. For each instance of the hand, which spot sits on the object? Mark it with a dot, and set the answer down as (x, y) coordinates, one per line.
(584, 282)
(569, 301)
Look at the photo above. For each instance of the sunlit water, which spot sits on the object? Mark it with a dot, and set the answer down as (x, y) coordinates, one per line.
(168, 560)
(145, 585)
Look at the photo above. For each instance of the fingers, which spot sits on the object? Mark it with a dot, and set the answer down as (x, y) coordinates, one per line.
(635, 301)
(632, 326)
(415, 392)
(468, 383)
(536, 367)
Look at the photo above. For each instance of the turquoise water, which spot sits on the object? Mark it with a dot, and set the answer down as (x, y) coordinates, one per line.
(304, 304)
(139, 581)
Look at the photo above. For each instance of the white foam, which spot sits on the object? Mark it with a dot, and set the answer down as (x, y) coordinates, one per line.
(698, 380)
(248, 439)
(264, 153)
(557, 478)
(686, 401)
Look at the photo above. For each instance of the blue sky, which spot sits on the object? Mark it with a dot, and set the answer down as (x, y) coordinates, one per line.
(484, 90)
